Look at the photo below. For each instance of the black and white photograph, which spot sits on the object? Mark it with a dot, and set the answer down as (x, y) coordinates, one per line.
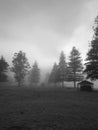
(48, 64)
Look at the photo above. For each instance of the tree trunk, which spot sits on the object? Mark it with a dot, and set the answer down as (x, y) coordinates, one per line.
(19, 83)
(55, 84)
(62, 84)
(74, 83)
(74, 79)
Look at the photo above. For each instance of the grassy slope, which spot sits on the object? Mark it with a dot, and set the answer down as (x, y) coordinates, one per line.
(47, 109)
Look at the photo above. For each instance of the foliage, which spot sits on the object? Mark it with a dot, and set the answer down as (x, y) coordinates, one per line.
(20, 66)
(35, 74)
(53, 75)
(75, 66)
(92, 55)
(3, 69)
(62, 69)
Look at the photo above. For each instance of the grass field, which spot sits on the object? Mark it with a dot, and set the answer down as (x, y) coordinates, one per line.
(47, 109)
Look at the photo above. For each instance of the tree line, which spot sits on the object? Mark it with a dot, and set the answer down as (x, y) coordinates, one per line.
(71, 71)
(20, 67)
(63, 71)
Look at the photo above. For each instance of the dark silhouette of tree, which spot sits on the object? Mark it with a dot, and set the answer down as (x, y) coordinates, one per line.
(35, 74)
(75, 66)
(92, 55)
(20, 66)
(54, 75)
(3, 69)
(62, 69)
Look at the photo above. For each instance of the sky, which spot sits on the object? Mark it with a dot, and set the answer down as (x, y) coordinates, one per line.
(43, 28)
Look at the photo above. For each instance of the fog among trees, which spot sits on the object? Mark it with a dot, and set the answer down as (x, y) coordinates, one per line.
(70, 69)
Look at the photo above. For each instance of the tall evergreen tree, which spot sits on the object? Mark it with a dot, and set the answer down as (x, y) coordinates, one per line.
(35, 74)
(92, 55)
(62, 69)
(20, 66)
(75, 66)
(3, 69)
(53, 76)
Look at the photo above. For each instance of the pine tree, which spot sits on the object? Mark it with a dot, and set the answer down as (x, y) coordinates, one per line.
(75, 66)
(3, 69)
(53, 75)
(62, 69)
(20, 66)
(35, 74)
(92, 55)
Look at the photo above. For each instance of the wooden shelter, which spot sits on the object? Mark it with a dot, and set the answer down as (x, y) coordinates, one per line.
(85, 85)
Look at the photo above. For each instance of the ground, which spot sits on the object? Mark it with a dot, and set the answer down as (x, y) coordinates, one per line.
(47, 109)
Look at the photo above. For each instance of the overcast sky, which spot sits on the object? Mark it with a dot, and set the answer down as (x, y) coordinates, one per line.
(43, 28)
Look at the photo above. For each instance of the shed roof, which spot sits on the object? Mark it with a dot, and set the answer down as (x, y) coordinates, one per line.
(85, 82)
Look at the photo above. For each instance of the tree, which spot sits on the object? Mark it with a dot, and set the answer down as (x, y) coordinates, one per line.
(53, 75)
(75, 66)
(20, 66)
(92, 55)
(62, 69)
(3, 69)
(35, 74)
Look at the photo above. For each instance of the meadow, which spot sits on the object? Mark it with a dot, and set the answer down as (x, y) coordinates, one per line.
(47, 109)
